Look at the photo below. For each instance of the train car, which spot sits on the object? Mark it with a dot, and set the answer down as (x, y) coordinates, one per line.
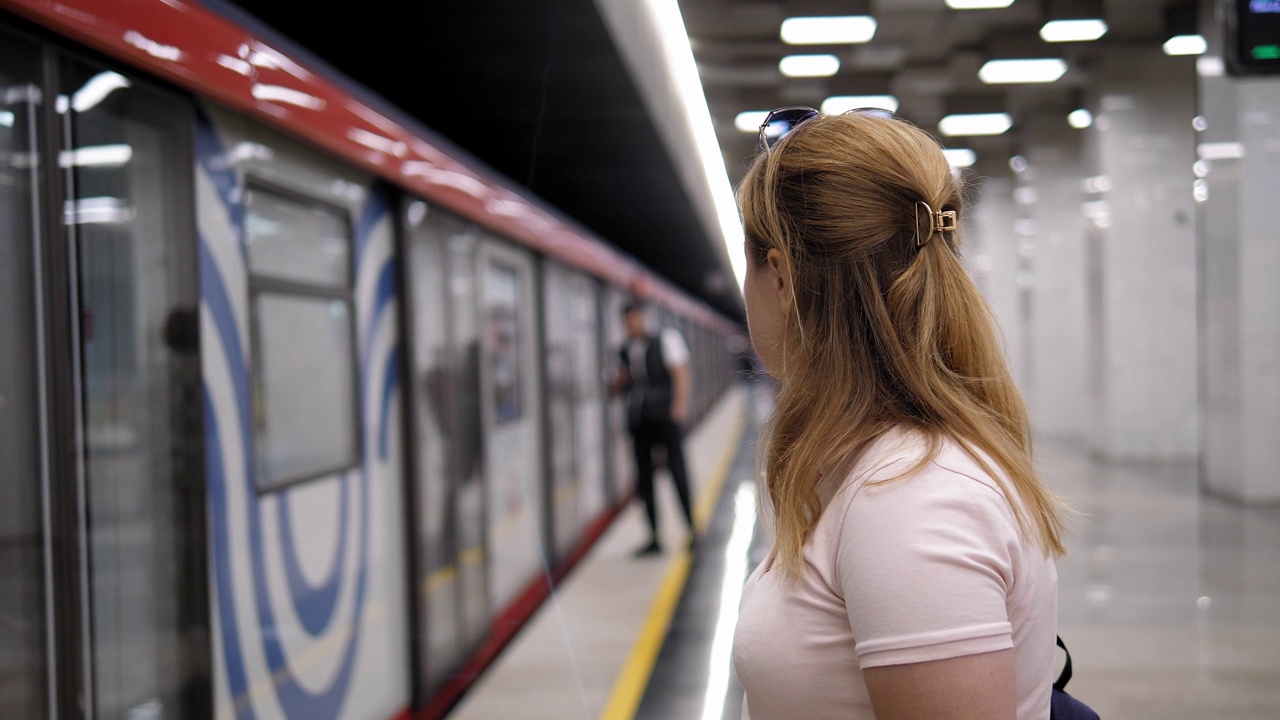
(302, 412)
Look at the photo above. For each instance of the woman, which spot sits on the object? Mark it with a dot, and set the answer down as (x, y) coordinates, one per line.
(912, 574)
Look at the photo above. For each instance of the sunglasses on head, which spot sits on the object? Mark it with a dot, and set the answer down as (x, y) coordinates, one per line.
(781, 122)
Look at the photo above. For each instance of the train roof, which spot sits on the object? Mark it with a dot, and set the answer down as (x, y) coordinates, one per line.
(241, 67)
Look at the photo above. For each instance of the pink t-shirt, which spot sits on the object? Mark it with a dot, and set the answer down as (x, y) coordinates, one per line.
(927, 567)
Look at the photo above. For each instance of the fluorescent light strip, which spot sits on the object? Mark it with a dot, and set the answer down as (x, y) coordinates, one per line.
(1220, 150)
(96, 90)
(1039, 70)
(289, 96)
(1185, 45)
(1073, 30)
(679, 53)
(975, 124)
(844, 30)
(837, 104)
(96, 156)
(809, 65)
(978, 4)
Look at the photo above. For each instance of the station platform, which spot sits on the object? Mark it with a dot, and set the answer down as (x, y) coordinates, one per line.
(1169, 598)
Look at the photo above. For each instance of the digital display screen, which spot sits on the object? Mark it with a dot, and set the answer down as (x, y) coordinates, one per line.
(1256, 41)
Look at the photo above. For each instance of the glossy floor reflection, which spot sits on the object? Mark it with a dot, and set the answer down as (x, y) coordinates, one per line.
(1169, 599)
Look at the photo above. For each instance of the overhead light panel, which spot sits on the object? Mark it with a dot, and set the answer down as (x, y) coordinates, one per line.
(837, 104)
(809, 65)
(1080, 118)
(978, 4)
(829, 30)
(1073, 30)
(1185, 45)
(960, 157)
(749, 121)
(975, 124)
(1038, 70)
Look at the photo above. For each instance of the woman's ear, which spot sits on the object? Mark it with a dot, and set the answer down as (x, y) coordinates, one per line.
(778, 277)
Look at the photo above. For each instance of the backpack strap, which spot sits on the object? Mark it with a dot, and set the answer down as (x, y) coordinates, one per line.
(1065, 677)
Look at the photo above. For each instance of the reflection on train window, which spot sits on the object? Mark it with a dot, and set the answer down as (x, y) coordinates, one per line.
(304, 342)
(302, 241)
(502, 290)
(305, 423)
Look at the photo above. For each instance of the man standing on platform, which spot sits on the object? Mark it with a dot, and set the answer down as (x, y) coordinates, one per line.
(654, 374)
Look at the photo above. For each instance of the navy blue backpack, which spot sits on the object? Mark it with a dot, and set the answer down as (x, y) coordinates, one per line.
(1062, 706)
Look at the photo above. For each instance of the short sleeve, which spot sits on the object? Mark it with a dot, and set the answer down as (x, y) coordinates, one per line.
(674, 350)
(925, 565)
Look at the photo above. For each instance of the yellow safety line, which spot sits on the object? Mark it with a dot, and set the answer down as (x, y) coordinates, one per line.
(628, 689)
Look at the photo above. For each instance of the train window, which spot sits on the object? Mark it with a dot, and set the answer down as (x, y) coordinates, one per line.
(303, 337)
(296, 240)
(503, 299)
(304, 377)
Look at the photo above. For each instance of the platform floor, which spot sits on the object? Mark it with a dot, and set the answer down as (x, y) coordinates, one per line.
(1169, 599)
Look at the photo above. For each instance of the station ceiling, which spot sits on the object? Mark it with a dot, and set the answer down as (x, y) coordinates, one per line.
(538, 90)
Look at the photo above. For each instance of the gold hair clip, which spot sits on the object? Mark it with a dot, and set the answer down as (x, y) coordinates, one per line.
(943, 221)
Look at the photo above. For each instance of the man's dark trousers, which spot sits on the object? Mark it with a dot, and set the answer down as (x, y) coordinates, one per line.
(668, 434)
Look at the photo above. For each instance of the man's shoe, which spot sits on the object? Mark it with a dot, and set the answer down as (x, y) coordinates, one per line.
(653, 548)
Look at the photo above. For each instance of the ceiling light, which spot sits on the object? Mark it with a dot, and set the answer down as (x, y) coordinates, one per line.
(809, 65)
(1185, 45)
(837, 104)
(960, 157)
(750, 121)
(978, 4)
(1073, 30)
(842, 30)
(1080, 118)
(1039, 70)
(975, 124)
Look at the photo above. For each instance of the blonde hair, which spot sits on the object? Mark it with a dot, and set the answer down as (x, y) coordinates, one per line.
(882, 332)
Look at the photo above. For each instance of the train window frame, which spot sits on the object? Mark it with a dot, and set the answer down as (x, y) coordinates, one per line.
(265, 284)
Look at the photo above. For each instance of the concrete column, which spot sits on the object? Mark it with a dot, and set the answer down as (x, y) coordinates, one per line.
(1055, 386)
(992, 253)
(1240, 207)
(1147, 353)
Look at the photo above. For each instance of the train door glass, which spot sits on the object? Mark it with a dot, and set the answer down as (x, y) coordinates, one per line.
(22, 600)
(511, 408)
(446, 413)
(562, 371)
(620, 441)
(129, 222)
(469, 507)
(589, 390)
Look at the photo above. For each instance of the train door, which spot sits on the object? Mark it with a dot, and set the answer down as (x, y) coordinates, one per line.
(574, 402)
(301, 377)
(445, 381)
(25, 601)
(511, 407)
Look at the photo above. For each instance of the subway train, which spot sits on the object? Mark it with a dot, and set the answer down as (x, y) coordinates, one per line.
(302, 412)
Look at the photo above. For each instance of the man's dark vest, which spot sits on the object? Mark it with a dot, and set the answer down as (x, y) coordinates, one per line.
(648, 398)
